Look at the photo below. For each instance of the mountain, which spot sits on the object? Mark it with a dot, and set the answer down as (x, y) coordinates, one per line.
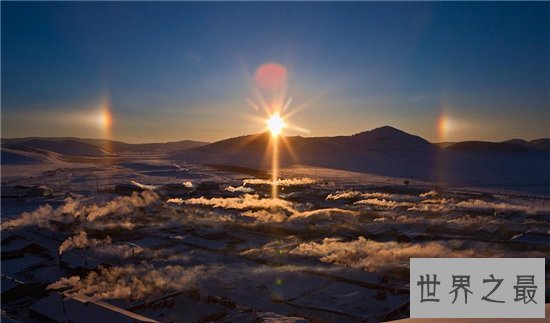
(119, 146)
(443, 144)
(388, 151)
(63, 147)
(102, 146)
(366, 151)
(516, 141)
(379, 139)
(386, 138)
(488, 146)
(17, 157)
(385, 151)
(512, 145)
(541, 144)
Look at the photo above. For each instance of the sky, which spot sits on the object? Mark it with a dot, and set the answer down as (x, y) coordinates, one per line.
(155, 72)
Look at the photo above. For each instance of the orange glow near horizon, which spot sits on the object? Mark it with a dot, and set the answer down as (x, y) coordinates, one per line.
(443, 128)
(105, 118)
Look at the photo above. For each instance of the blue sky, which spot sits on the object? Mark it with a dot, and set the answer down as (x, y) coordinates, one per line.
(184, 70)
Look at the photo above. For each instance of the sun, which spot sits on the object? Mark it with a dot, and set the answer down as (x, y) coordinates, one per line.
(275, 124)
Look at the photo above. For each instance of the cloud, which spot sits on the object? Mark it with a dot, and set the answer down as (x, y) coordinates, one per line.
(74, 209)
(274, 211)
(42, 216)
(280, 182)
(376, 256)
(188, 184)
(344, 195)
(468, 221)
(242, 189)
(243, 202)
(132, 282)
(323, 218)
(350, 195)
(121, 205)
(145, 281)
(100, 246)
(144, 186)
(78, 241)
(296, 219)
(265, 216)
(475, 205)
(428, 194)
(384, 203)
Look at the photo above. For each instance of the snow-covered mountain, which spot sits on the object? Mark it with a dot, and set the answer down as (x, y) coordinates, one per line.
(63, 147)
(71, 146)
(385, 151)
(390, 152)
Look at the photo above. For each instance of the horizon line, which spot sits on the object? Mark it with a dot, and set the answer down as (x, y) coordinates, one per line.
(260, 133)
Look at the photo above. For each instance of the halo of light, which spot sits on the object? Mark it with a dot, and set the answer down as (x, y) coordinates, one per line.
(105, 118)
(444, 127)
(271, 76)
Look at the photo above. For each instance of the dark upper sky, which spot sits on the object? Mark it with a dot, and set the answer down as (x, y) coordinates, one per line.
(171, 71)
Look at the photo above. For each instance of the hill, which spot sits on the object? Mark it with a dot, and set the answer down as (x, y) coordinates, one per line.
(512, 145)
(63, 147)
(18, 157)
(387, 151)
(72, 146)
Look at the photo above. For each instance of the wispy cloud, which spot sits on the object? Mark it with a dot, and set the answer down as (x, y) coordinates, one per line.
(242, 189)
(131, 282)
(376, 256)
(100, 246)
(75, 209)
(280, 182)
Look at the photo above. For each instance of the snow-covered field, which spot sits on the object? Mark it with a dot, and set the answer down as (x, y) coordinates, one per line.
(183, 242)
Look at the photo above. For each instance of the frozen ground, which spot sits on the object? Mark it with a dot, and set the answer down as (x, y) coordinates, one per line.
(196, 243)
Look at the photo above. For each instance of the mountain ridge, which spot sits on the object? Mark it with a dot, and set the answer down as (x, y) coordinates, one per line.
(383, 151)
(111, 146)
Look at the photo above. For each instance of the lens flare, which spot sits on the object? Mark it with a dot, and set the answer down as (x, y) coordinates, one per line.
(270, 89)
(271, 76)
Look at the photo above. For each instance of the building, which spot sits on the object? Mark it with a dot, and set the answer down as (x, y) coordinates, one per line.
(57, 307)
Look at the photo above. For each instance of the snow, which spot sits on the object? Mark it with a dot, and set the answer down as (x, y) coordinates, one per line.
(235, 256)
(64, 147)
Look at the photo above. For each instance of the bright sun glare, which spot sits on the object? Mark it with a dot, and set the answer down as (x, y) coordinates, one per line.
(275, 124)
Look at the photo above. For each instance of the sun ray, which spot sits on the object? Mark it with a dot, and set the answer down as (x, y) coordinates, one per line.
(274, 166)
(299, 129)
(289, 149)
(271, 81)
(253, 105)
(287, 104)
